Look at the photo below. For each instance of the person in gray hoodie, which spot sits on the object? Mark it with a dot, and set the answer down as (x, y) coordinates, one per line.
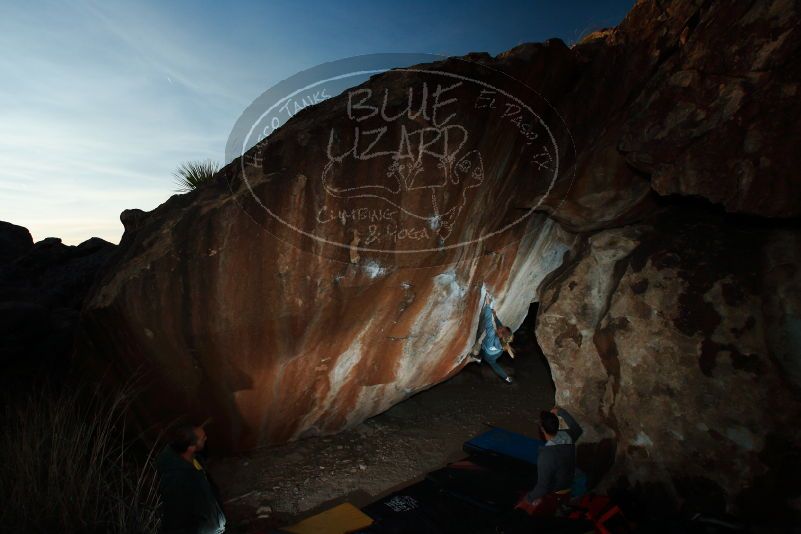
(556, 464)
(189, 502)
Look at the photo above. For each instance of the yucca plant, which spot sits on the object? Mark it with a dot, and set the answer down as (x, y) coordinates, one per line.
(192, 174)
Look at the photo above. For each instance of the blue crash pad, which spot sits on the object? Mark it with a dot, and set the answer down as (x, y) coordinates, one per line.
(504, 443)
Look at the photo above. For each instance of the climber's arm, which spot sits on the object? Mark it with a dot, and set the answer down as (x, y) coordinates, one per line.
(490, 318)
(498, 323)
(573, 428)
(486, 318)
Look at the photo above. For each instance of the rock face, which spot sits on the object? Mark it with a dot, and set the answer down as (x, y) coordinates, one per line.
(717, 124)
(655, 105)
(42, 288)
(337, 267)
(276, 343)
(660, 334)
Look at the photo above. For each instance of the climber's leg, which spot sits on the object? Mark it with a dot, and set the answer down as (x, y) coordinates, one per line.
(492, 360)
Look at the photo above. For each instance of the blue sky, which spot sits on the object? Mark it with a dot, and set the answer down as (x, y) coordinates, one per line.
(100, 101)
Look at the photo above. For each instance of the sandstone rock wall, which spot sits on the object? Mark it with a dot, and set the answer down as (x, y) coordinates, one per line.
(276, 343)
(661, 335)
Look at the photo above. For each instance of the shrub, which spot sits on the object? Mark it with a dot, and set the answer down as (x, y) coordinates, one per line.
(66, 467)
(192, 174)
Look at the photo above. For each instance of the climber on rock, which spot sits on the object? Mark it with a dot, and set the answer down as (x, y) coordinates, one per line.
(495, 339)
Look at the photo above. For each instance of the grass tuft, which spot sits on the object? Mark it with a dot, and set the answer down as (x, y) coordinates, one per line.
(67, 467)
(192, 174)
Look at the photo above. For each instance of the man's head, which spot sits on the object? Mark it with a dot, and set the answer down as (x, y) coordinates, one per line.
(505, 333)
(188, 439)
(549, 424)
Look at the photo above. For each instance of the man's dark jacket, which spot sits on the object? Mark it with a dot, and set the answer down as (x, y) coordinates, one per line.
(188, 502)
(556, 464)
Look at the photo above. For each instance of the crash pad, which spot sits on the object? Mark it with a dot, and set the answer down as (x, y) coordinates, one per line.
(423, 508)
(410, 504)
(505, 444)
(338, 520)
(483, 486)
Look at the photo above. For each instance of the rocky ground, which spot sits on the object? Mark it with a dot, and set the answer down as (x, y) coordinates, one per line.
(291, 481)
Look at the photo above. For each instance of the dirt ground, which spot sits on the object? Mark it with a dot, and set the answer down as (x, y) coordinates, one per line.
(276, 486)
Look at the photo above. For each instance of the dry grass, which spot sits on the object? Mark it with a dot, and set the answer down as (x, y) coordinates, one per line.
(66, 467)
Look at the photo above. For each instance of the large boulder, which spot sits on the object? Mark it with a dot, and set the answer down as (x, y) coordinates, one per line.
(338, 267)
(222, 319)
(664, 338)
